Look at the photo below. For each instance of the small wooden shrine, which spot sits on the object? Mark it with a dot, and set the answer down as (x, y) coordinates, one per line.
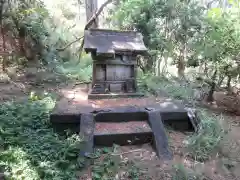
(114, 55)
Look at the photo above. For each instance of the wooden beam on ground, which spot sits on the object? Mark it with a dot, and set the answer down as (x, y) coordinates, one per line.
(86, 133)
(160, 137)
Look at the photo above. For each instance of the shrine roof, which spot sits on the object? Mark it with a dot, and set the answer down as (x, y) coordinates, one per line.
(103, 41)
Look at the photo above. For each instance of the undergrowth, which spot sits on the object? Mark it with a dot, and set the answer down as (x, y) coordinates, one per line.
(110, 165)
(204, 142)
(30, 149)
(169, 87)
(81, 71)
(182, 173)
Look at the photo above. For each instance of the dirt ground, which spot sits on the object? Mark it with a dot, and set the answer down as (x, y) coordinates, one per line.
(222, 166)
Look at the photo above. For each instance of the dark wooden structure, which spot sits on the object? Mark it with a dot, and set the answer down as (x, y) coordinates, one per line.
(114, 55)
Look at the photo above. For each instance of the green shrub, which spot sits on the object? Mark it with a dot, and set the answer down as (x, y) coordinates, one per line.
(81, 71)
(30, 147)
(170, 87)
(182, 173)
(203, 143)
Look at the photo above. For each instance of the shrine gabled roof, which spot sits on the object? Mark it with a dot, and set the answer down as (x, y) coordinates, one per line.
(103, 41)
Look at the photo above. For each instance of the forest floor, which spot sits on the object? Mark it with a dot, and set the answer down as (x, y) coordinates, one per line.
(222, 165)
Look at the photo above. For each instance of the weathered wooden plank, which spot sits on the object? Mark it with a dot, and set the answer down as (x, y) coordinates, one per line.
(112, 62)
(118, 60)
(118, 72)
(100, 72)
(160, 137)
(103, 40)
(116, 87)
(114, 95)
(87, 133)
(112, 81)
(193, 118)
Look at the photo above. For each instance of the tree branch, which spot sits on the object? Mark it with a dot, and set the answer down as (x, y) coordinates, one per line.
(120, 154)
(62, 49)
(91, 20)
(98, 12)
(87, 26)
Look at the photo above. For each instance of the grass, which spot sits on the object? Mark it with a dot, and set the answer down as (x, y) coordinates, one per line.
(108, 165)
(30, 149)
(170, 87)
(203, 143)
(81, 71)
(182, 173)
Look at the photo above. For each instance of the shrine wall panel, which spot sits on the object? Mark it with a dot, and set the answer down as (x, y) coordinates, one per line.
(118, 72)
(100, 72)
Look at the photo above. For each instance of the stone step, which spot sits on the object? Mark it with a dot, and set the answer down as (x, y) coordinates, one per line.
(122, 133)
(138, 131)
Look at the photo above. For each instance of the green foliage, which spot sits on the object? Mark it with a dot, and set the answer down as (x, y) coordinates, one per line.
(182, 173)
(46, 32)
(30, 147)
(185, 33)
(109, 165)
(106, 167)
(81, 71)
(168, 87)
(203, 143)
(167, 26)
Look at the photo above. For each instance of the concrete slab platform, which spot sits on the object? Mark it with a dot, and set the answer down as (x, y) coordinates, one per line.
(172, 114)
(112, 96)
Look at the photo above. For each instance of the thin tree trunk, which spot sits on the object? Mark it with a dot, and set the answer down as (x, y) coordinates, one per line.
(164, 69)
(229, 82)
(91, 21)
(91, 9)
(221, 81)
(159, 60)
(229, 88)
(4, 47)
(22, 39)
(164, 55)
(181, 61)
(181, 66)
(205, 68)
(212, 87)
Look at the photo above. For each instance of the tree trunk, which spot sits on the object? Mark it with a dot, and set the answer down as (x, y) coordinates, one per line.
(229, 87)
(91, 21)
(205, 68)
(4, 48)
(221, 81)
(181, 62)
(22, 38)
(3, 58)
(181, 67)
(229, 82)
(212, 87)
(159, 60)
(116, 22)
(140, 65)
(91, 8)
(164, 69)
